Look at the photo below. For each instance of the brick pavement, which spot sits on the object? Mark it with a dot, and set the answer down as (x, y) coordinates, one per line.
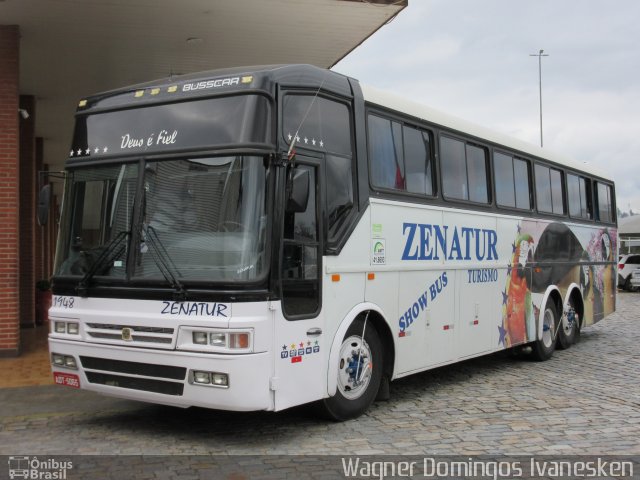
(585, 400)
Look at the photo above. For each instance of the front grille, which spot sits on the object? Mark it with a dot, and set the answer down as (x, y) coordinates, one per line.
(108, 326)
(139, 334)
(133, 383)
(134, 368)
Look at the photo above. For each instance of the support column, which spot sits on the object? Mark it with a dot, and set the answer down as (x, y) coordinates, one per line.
(9, 191)
(28, 176)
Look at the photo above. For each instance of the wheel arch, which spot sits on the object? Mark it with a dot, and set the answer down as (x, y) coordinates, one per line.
(377, 318)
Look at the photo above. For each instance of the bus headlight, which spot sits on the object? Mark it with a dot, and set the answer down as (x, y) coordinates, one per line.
(60, 327)
(201, 339)
(211, 379)
(218, 339)
(72, 328)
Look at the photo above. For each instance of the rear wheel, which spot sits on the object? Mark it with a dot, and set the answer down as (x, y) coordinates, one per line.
(544, 347)
(359, 372)
(568, 331)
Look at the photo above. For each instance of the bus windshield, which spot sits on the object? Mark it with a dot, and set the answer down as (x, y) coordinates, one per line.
(203, 219)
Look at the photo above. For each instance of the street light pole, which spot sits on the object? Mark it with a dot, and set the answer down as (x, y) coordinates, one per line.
(540, 55)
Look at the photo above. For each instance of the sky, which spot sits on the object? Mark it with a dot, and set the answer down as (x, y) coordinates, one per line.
(470, 58)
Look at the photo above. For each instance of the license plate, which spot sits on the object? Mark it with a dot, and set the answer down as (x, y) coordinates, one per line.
(67, 379)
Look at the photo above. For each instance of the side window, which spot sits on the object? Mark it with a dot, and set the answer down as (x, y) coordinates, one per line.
(605, 203)
(464, 170)
(549, 195)
(322, 124)
(300, 256)
(339, 184)
(400, 156)
(512, 181)
(579, 196)
(385, 153)
(418, 162)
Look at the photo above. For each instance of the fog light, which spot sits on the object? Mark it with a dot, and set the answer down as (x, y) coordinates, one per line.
(70, 362)
(60, 327)
(239, 340)
(72, 328)
(57, 359)
(202, 377)
(218, 339)
(220, 379)
(200, 338)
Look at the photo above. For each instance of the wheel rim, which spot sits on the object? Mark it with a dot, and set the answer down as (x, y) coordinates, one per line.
(548, 328)
(568, 325)
(355, 359)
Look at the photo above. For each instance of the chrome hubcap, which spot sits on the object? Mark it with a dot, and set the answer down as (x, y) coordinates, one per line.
(548, 328)
(355, 368)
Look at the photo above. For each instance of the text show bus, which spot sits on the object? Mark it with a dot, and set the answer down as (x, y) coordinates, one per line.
(259, 238)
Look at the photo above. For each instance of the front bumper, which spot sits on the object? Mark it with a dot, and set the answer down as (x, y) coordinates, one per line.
(163, 376)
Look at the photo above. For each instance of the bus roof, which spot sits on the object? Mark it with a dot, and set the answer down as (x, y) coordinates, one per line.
(416, 110)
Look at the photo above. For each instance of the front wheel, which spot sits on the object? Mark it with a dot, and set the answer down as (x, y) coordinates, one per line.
(544, 347)
(359, 372)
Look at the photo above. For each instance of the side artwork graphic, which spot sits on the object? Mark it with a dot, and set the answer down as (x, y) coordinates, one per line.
(553, 253)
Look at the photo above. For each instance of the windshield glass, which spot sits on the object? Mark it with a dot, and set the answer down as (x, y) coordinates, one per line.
(202, 219)
(98, 216)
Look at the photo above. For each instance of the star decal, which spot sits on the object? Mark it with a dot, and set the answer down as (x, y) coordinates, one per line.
(503, 336)
(316, 343)
(284, 347)
(79, 152)
(519, 228)
(297, 138)
(308, 343)
(306, 140)
(96, 150)
(289, 137)
(293, 346)
(509, 268)
(513, 247)
(321, 143)
(504, 297)
(301, 344)
(104, 150)
(313, 141)
(87, 151)
(71, 153)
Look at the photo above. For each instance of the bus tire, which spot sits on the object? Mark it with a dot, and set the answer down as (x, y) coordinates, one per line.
(568, 330)
(352, 401)
(544, 347)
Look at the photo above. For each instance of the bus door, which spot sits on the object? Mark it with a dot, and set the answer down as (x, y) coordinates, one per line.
(300, 340)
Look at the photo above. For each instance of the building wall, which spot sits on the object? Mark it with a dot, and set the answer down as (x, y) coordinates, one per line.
(9, 191)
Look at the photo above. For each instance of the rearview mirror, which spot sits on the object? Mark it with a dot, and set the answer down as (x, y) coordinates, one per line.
(298, 191)
(44, 201)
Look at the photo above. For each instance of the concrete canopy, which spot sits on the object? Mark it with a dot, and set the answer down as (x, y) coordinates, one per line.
(73, 48)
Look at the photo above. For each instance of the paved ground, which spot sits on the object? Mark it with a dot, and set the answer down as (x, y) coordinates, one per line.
(585, 400)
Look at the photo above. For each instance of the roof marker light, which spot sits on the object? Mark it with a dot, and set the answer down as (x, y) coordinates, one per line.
(138, 93)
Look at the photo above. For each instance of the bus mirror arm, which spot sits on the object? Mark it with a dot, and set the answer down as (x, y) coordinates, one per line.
(297, 190)
(44, 202)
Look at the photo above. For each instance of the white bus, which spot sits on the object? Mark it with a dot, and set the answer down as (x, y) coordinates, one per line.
(259, 238)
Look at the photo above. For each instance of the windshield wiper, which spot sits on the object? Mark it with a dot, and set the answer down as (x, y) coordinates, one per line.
(164, 263)
(113, 249)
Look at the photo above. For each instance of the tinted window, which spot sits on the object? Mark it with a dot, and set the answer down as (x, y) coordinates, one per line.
(521, 178)
(321, 124)
(339, 192)
(605, 204)
(400, 156)
(578, 194)
(505, 185)
(512, 181)
(464, 170)
(549, 190)
(385, 153)
(418, 165)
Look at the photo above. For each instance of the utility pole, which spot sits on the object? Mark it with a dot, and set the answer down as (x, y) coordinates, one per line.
(540, 55)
